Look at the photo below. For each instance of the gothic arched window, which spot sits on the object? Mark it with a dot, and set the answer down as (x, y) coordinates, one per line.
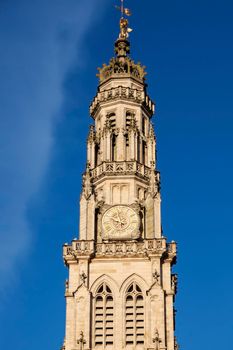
(97, 150)
(127, 147)
(112, 121)
(103, 317)
(138, 149)
(114, 148)
(144, 153)
(134, 316)
(128, 119)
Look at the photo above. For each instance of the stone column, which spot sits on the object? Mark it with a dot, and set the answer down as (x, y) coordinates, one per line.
(157, 216)
(108, 146)
(153, 152)
(90, 218)
(132, 145)
(140, 149)
(88, 152)
(136, 147)
(121, 146)
(169, 294)
(70, 323)
(101, 143)
(150, 151)
(104, 148)
(92, 152)
(170, 321)
(83, 218)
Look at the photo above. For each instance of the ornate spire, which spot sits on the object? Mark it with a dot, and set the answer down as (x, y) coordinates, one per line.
(122, 65)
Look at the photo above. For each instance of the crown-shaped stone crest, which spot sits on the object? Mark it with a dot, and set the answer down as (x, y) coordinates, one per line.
(122, 64)
(119, 68)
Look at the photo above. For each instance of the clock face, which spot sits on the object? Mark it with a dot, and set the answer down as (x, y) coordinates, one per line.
(120, 222)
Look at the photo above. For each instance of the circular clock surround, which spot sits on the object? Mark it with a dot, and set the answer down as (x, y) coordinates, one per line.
(120, 222)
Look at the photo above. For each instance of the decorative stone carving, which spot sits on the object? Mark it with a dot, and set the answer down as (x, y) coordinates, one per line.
(110, 167)
(102, 207)
(81, 341)
(119, 248)
(92, 134)
(121, 92)
(83, 278)
(137, 206)
(151, 132)
(171, 248)
(156, 276)
(117, 67)
(117, 131)
(107, 126)
(174, 282)
(99, 195)
(133, 124)
(114, 168)
(119, 167)
(87, 184)
(154, 187)
(129, 167)
(157, 340)
(138, 95)
(124, 91)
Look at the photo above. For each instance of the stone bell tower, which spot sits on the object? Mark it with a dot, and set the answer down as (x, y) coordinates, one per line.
(120, 291)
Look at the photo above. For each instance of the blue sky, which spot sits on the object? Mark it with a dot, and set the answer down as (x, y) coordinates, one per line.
(49, 54)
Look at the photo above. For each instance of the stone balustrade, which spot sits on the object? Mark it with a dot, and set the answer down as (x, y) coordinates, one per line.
(79, 247)
(124, 168)
(122, 92)
(130, 248)
(82, 248)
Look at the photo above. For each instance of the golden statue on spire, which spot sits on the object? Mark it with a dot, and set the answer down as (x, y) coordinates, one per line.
(124, 29)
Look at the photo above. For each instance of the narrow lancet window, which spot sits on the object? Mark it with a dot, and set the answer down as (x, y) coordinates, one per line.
(143, 125)
(97, 155)
(144, 153)
(127, 147)
(134, 316)
(114, 148)
(103, 318)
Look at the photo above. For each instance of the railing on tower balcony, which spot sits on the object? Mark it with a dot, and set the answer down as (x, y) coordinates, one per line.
(114, 248)
(124, 168)
(122, 92)
(130, 248)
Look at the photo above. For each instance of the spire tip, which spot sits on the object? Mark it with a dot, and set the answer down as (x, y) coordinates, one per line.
(124, 28)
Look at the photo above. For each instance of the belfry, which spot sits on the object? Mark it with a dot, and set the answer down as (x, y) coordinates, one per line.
(120, 291)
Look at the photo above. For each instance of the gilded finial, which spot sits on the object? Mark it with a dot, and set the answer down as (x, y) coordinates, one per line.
(124, 28)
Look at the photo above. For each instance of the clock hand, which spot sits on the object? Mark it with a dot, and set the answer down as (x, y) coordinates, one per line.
(119, 220)
(115, 220)
(118, 215)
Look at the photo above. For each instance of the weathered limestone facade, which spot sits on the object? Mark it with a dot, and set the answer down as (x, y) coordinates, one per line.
(120, 291)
